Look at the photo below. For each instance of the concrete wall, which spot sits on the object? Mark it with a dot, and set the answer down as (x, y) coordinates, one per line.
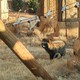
(4, 9)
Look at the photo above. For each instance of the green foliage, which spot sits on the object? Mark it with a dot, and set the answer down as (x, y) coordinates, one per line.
(17, 4)
(33, 5)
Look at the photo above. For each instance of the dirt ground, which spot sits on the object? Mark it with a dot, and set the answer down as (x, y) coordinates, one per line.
(11, 68)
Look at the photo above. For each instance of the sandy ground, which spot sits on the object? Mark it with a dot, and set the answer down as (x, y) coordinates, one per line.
(11, 68)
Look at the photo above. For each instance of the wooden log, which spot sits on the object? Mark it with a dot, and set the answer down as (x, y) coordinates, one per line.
(23, 54)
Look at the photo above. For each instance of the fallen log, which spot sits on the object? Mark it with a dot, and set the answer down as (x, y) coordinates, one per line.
(23, 54)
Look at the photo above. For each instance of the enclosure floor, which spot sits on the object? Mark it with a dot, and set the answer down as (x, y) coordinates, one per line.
(11, 68)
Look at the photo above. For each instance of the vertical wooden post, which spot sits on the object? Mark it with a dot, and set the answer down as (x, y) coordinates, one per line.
(76, 46)
(78, 10)
(79, 21)
(65, 21)
(57, 18)
(48, 3)
(59, 10)
(0, 9)
(40, 11)
(23, 54)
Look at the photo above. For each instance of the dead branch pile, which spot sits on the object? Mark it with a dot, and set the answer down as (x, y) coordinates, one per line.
(47, 28)
(46, 25)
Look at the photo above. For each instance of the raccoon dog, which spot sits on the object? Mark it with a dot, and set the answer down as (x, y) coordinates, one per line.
(55, 49)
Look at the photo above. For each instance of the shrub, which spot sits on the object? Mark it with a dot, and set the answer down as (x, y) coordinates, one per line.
(17, 4)
(32, 5)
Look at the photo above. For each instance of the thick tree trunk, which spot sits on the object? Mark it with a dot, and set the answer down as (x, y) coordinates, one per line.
(24, 55)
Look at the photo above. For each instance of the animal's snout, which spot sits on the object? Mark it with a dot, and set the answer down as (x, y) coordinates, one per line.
(44, 44)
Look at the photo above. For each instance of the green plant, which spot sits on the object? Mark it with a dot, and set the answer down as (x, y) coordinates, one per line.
(33, 5)
(17, 4)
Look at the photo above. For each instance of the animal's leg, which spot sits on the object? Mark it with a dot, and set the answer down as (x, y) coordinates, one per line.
(51, 56)
(57, 55)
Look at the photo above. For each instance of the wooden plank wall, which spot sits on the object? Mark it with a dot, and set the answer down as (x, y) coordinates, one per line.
(46, 5)
(71, 11)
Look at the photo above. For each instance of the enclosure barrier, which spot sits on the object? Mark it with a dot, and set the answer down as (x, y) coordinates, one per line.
(76, 46)
(23, 54)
